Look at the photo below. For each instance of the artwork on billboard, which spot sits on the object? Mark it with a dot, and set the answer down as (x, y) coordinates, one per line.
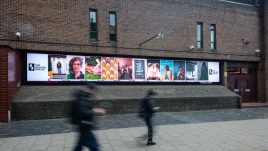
(191, 70)
(166, 69)
(76, 67)
(139, 69)
(57, 68)
(202, 71)
(93, 68)
(153, 69)
(125, 68)
(109, 68)
(179, 70)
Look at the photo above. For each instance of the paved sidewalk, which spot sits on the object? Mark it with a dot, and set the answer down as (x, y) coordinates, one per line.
(243, 135)
(52, 126)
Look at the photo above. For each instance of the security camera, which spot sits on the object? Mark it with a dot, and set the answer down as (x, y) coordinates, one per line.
(18, 34)
(191, 47)
(257, 50)
(160, 36)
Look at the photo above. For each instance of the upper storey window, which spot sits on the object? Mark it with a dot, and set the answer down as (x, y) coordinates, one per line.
(213, 36)
(112, 26)
(93, 25)
(199, 34)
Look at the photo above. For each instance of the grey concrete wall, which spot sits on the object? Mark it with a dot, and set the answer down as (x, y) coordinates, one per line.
(54, 101)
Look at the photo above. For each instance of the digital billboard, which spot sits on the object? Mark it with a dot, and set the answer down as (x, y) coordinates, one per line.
(58, 67)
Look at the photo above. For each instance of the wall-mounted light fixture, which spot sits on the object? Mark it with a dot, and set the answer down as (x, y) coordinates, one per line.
(18, 35)
(158, 36)
(257, 51)
(191, 47)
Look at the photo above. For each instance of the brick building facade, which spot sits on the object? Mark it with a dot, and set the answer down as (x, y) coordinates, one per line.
(63, 26)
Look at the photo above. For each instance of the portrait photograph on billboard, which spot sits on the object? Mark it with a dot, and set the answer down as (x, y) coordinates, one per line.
(57, 68)
(76, 67)
(68, 68)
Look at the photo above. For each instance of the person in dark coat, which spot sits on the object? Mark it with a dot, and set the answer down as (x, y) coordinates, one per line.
(85, 114)
(148, 109)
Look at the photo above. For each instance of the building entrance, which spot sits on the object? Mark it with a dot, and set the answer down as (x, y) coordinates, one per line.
(242, 81)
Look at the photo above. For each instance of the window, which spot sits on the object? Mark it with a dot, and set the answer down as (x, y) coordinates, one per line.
(93, 25)
(258, 3)
(213, 36)
(112, 25)
(199, 35)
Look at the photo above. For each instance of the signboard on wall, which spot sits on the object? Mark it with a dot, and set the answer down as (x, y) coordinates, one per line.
(58, 67)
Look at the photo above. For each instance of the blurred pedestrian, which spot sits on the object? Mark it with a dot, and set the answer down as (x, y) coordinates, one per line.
(146, 111)
(84, 114)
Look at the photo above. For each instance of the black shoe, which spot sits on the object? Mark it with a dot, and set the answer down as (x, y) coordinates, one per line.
(150, 143)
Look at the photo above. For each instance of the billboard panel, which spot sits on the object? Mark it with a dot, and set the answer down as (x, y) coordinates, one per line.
(58, 67)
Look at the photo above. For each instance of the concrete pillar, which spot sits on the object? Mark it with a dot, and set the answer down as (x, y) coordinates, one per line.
(265, 51)
(224, 73)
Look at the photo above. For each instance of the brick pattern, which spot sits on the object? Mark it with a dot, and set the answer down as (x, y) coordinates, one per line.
(61, 26)
(50, 23)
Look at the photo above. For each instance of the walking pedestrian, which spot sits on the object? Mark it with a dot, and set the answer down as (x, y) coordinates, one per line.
(84, 113)
(146, 111)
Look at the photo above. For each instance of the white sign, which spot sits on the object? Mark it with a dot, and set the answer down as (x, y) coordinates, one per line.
(37, 67)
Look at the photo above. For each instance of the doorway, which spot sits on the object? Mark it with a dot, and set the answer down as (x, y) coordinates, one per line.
(242, 81)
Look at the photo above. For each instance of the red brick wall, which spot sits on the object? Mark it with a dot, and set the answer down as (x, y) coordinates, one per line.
(63, 26)
(10, 75)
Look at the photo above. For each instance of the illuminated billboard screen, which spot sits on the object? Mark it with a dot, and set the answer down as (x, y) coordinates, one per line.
(58, 67)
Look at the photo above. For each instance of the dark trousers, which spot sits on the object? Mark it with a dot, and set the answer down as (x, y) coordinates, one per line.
(149, 124)
(87, 139)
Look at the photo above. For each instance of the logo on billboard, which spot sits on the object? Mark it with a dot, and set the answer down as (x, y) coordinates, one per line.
(211, 72)
(31, 67)
(35, 67)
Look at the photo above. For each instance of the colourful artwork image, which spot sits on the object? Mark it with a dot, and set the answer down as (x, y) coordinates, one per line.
(125, 68)
(109, 68)
(153, 69)
(93, 67)
(179, 70)
(166, 69)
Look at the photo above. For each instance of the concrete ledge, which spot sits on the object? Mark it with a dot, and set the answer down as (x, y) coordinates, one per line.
(53, 102)
(59, 109)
